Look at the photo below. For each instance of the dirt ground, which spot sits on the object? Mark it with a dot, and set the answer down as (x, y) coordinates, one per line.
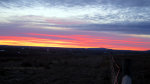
(29, 65)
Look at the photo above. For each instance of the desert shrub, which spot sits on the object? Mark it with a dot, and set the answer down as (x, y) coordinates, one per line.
(26, 64)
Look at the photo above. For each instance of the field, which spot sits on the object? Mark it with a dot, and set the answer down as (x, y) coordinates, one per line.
(36, 65)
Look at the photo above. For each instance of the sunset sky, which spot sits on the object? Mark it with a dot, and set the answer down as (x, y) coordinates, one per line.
(112, 24)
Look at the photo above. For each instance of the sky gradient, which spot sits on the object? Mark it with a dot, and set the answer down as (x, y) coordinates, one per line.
(113, 24)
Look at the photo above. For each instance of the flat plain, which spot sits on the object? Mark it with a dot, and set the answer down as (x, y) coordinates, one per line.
(37, 65)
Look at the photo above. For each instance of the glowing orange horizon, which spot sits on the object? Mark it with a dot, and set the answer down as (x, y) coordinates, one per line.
(70, 41)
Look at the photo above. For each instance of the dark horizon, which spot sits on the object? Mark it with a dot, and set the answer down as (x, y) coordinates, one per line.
(75, 48)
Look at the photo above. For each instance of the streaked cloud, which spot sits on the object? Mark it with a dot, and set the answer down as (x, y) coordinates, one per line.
(115, 24)
(76, 41)
(136, 35)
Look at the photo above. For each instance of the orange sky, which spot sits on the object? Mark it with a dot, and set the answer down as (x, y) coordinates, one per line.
(121, 24)
(72, 41)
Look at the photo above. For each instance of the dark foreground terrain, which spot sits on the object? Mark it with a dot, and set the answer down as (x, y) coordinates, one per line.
(35, 65)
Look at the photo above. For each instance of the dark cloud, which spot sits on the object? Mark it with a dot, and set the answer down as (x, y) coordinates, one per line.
(71, 3)
(124, 3)
(132, 28)
(131, 20)
(50, 2)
